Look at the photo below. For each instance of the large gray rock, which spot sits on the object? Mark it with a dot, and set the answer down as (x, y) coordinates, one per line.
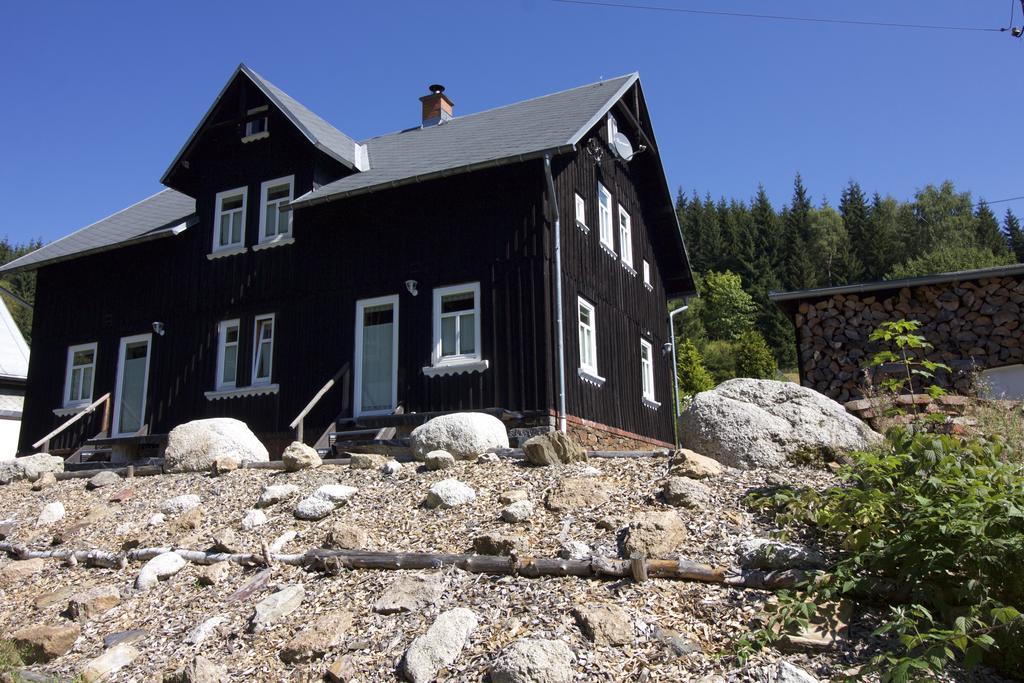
(161, 567)
(42, 643)
(313, 508)
(109, 663)
(653, 534)
(749, 423)
(685, 492)
(449, 493)
(179, 504)
(199, 670)
(553, 448)
(410, 593)
(314, 641)
(771, 555)
(440, 646)
(274, 494)
(30, 466)
(299, 456)
(276, 607)
(605, 624)
(51, 512)
(194, 446)
(532, 660)
(464, 435)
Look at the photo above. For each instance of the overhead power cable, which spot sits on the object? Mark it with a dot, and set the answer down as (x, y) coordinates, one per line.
(780, 17)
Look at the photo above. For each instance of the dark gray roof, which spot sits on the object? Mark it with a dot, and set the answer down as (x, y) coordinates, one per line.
(166, 213)
(880, 285)
(321, 134)
(489, 138)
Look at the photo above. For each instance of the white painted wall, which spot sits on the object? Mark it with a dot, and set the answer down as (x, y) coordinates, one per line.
(9, 438)
(1006, 382)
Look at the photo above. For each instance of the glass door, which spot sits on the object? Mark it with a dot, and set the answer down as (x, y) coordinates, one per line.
(132, 381)
(376, 355)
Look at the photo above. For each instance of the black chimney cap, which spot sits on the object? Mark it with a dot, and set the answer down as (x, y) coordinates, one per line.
(436, 88)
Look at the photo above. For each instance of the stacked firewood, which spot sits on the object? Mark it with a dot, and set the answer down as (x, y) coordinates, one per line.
(973, 326)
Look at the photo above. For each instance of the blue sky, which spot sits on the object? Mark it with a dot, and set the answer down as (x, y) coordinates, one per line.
(98, 97)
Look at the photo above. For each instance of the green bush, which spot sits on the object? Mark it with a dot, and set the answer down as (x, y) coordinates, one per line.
(726, 310)
(754, 358)
(931, 527)
(720, 360)
(693, 376)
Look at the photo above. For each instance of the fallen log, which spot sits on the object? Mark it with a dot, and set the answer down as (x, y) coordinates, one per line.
(90, 558)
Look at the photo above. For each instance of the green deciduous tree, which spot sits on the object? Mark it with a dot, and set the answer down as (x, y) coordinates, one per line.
(948, 259)
(753, 357)
(727, 310)
(693, 376)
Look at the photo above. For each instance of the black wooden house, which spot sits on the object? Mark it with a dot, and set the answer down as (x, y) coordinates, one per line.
(517, 260)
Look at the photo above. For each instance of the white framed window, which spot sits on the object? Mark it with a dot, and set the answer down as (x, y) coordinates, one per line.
(228, 334)
(78, 379)
(588, 336)
(229, 220)
(263, 349)
(647, 369)
(626, 238)
(604, 217)
(647, 275)
(581, 213)
(275, 219)
(457, 324)
(256, 127)
(613, 128)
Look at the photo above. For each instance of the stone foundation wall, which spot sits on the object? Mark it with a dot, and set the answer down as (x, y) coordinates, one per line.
(973, 325)
(594, 436)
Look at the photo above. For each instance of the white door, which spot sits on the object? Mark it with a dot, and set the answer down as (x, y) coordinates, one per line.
(132, 382)
(376, 361)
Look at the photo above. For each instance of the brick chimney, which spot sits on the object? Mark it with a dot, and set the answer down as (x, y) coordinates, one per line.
(437, 108)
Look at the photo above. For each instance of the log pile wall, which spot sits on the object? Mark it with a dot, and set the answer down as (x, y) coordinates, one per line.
(973, 325)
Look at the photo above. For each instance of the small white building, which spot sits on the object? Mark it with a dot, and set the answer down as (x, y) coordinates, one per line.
(13, 373)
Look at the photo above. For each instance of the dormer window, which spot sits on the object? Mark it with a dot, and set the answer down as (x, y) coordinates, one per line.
(229, 222)
(256, 124)
(275, 218)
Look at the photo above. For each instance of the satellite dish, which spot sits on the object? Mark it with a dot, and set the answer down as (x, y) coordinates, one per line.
(622, 146)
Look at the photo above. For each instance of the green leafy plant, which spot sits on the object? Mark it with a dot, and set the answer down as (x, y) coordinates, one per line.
(930, 530)
(908, 350)
(693, 376)
(754, 358)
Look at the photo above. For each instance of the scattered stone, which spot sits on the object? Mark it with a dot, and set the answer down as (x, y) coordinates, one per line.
(156, 519)
(272, 495)
(223, 464)
(7, 529)
(190, 519)
(449, 493)
(589, 471)
(315, 641)
(203, 630)
(127, 637)
(104, 478)
(575, 550)
(464, 435)
(439, 460)
(277, 606)
(342, 670)
(196, 445)
(499, 544)
(605, 624)
(253, 519)
(784, 672)
(653, 535)
(487, 458)
(299, 456)
(54, 597)
(93, 602)
(179, 504)
(577, 492)
(519, 511)
(313, 508)
(335, 493)
(160, 568)
(15, 571)
(225, 540)
(30, 467)
(51, 512)
(677, 644)
(686, 492)
(199, 670)
(611, 523)
(687, 463)
(366, 461)
(410, 593)
(391, 468)
(345, 536)
(38, 644)
(111, 661)
(123, 495)
(553, 448)
(513, 496)
(45, 480)
(214, 574)
(749, 423)
(764, 553)
(532, 660)
(440, 646)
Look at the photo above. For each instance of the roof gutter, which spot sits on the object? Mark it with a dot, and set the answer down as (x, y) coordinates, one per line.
(301, 203)
(559, 321)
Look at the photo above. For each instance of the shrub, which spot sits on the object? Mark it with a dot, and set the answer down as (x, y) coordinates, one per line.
(726, 310)
(753, 357)
(908, 352)
(720, 360)
(933, 528)
(693, 376)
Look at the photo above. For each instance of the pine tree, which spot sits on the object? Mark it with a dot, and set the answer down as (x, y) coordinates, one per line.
(799, 270)
(986, 228)
(1014, 235)
(853, 207)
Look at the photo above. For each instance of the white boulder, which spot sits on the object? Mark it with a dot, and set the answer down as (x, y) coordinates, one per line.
(275, 493)
(748, 423)
(313, 508)
(532, 660)
(449, 493)
(195, 446)
(335, 493)
(179, 504)
(299, 456)
(253, 518)
(464, 435)
(30, 467)
(161, 567)
(51, 512)
(440, 646)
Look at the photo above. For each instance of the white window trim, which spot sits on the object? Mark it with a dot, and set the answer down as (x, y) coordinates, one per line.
(233, 251)
(587, 371)
(276, 242)
(272, 317)
(468, 362)
(647, 373)
(613, 128)
(219, 382)
(115, 429)
(605, 220)
(357, 390)
(240, 392)
(626, 238)
(72, 350)
(581, 212)
(264, 188)
(647, 276)
(234, 247)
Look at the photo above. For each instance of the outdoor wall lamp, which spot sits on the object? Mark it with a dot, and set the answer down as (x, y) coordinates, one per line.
(158, 328)
(411, 286)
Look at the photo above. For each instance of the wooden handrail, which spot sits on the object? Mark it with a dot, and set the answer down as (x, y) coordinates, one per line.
(297, 423)
(73, 419)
